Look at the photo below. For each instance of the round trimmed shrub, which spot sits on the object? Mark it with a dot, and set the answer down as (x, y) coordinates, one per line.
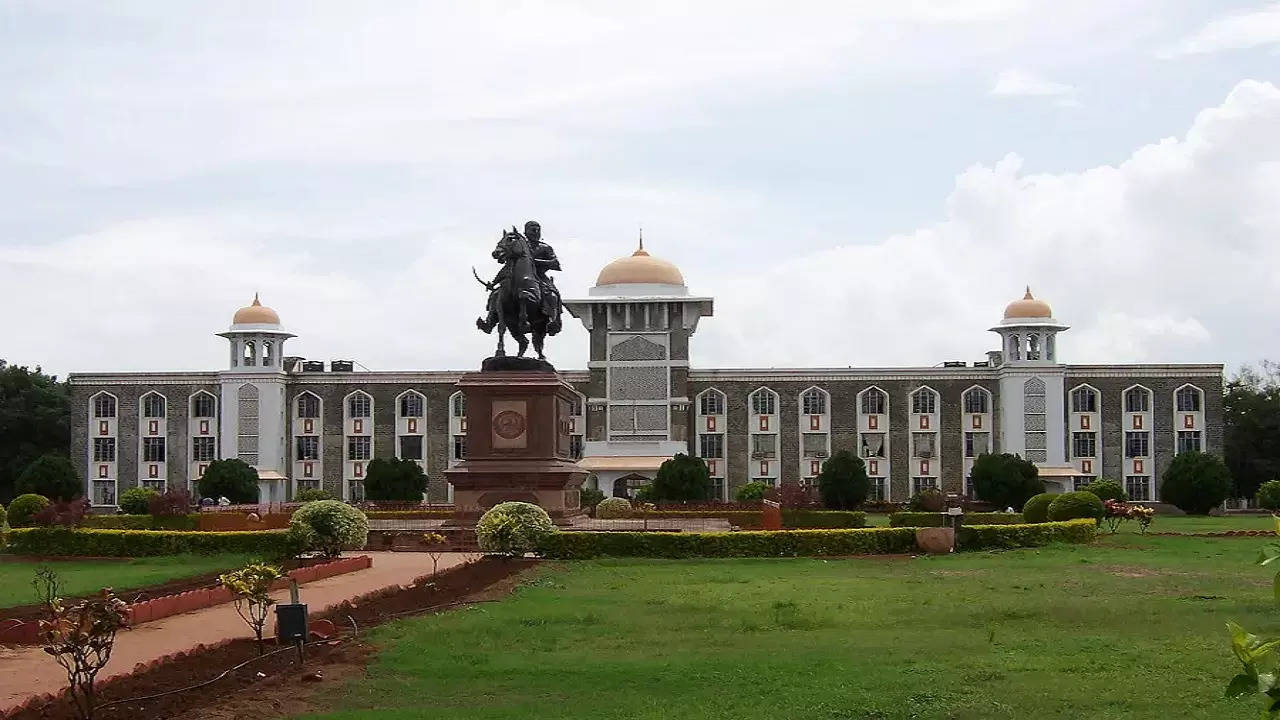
(24, 508)
(1036, 509)
(513, 528)
(335, 526)
(307, 495)
(614, 507)
(1269, 495)
(1079, 504)
(137, 500)
(1107, 490)
(1196, 482)
(927, 500)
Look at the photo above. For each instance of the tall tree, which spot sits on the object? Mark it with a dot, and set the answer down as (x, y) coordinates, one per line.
(1251, 420)
(843, 482)
(394, 480)
(34, 421)
(682, 478)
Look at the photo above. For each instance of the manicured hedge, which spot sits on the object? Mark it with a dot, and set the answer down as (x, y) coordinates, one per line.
(142, 522)
(785, 543)
(797, 519)
(141, 543)
(409, 514)
(928, 519)
(986, 537)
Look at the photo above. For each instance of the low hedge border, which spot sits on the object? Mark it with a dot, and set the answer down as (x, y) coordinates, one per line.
(798, 519)
(784, 543)
(994, 537)
(89, 542)
(409, 514)
(142, 522)
(802, 543)
(930, 519)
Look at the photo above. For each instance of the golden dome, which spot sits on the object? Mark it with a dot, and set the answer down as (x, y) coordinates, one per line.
(640, 267)
(255, 314)
(1028, 307)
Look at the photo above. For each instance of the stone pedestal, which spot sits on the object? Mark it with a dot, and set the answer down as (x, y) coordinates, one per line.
(517, 445)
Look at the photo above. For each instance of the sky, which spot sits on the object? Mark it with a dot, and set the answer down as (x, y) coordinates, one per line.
(857, 184)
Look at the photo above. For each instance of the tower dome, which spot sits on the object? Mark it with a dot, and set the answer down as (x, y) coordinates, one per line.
(640, 268)
(255, 314)
(1027, 308)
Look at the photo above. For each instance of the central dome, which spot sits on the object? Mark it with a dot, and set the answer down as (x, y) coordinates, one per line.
(255, 314)
(1027, 308)
(640, 268)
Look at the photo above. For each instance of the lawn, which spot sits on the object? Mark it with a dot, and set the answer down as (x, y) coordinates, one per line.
(1132, 627)
(1168, 523)
(82, 577)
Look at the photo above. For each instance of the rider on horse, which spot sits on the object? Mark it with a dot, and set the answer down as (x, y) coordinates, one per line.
(544, 260)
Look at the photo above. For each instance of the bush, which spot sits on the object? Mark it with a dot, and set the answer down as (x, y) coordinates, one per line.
(1005, 480)
(311, 495)
(589, 497)
(142, 522)
(175, 502)
(933, 519)
(680, 479)
(4, 516)
(614, 507)
(927, 500)
(137, 500)
(1107, 490)
(792, 518)
(999, 537)
(843, 482)
(513, 528)
(644, 493)
(62, 541)
(52, 476)
(753, 490)
(1074, 505)
(393, 479)
(24, 508)
(1036, 509)
(63, 513)
(763, 543)
(335, 525)
(1196, 482)
(1269, 495)
(233, 479)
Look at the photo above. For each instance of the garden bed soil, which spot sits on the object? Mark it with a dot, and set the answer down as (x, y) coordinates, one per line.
(36, 611)
(277, 678)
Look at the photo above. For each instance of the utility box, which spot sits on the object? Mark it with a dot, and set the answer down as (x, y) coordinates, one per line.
(291, 623)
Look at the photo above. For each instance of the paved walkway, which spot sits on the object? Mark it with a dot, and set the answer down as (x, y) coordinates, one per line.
(27, 671)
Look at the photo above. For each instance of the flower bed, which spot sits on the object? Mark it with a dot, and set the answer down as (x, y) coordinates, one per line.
(88, 542)
(930, 519)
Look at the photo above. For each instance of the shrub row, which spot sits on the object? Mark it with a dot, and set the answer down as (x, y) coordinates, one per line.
(786, 543)
(928, 519)
(141, 543)
(989, 537)
(142, 522)
(810, 543)
(797, 519)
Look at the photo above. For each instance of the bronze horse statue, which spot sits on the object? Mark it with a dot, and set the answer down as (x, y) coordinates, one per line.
(515, 296)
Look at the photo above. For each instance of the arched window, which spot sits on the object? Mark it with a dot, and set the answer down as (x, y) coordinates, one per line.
(764, 402)
(813, 401)
(977, 400)
(308, 406)
(1015, 347)
(359, 405)
(711, 402)
(104, 406)
(1084, 399)
(1187, 399)
(250, 354)
(411, 405)
(153, 405)
(266, 353)
(924, 401)
(203, 405)
(874, 401)
(458, 405)
(1137, 399)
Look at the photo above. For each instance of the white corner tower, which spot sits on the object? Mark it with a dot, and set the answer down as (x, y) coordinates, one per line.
(1032, 393)
(253, 397)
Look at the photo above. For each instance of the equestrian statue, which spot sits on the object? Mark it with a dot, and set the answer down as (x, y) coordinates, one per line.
(523, 299)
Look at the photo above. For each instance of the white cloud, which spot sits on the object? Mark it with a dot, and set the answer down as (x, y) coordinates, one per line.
(1020, 83)
(1237, 31)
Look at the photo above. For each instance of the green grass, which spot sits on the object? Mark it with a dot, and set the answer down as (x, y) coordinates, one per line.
(82, 577)
(1131, 627)
(1168, 523)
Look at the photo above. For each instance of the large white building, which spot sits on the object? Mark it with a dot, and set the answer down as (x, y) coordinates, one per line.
(308, 423)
